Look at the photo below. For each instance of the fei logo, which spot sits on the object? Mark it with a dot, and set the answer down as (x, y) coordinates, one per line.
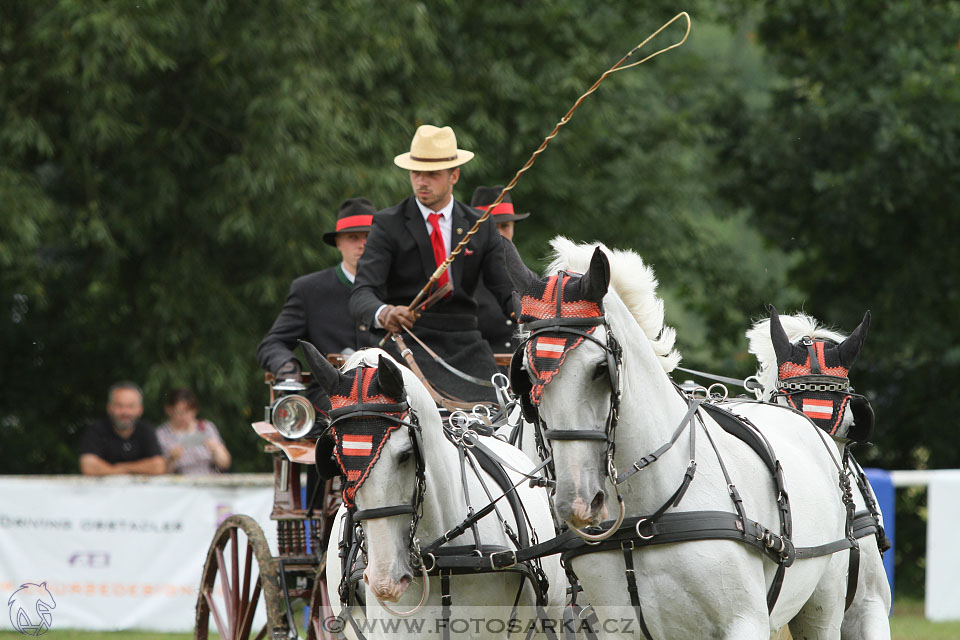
(30, 607)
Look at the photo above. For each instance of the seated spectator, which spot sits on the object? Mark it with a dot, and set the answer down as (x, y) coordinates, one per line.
(190, 446)
(121, 442)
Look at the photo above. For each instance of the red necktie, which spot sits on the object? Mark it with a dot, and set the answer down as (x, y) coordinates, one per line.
(439, 248)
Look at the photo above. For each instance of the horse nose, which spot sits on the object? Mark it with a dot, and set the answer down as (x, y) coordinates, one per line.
(598, 500)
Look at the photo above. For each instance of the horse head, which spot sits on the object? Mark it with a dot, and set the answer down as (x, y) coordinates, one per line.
(806, 366)
(565, 374)
(377, 446)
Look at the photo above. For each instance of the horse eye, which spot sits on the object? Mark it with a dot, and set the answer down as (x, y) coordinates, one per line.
(602, 369)
(404, 456)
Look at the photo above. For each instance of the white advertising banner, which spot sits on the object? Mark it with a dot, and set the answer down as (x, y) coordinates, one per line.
(942, 600)
(118, 552)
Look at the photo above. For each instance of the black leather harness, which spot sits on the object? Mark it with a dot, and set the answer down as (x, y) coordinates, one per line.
(662, 526)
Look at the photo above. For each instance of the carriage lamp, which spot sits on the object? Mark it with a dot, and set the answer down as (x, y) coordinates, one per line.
(292, 416)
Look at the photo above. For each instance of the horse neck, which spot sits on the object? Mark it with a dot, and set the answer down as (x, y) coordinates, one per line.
(443, 503)
(650, 406)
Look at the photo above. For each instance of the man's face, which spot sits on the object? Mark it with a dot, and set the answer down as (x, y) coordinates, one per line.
(350, 245)
(434, 188)
(506, 229)
(124, 408)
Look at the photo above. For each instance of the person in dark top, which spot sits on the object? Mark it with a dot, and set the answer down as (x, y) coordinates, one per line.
(317, 307)
(121, 442)
(407, 243)
(497, 328)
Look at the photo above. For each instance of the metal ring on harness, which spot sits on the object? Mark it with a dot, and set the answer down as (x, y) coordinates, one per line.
(637, 528)
(589, 537)
(426, 592)
(432, 564)
(722, 387)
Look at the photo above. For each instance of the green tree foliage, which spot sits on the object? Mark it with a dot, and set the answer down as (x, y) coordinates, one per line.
(167, 168)
(854, 162)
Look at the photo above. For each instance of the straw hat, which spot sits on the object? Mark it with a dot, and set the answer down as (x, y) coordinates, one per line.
(483, 197)
(356, 214)
(433, 148)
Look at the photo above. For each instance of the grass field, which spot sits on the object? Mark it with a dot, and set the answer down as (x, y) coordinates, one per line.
(907, 623)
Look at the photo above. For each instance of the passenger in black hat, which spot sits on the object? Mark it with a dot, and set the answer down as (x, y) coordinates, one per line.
(317, 307)
(496, 328)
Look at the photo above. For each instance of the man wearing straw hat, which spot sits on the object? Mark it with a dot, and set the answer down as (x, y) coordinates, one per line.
(496, 328)
(317, 307)
(407, 243)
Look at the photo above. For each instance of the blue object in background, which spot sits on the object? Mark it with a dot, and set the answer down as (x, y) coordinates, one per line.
(882, 485)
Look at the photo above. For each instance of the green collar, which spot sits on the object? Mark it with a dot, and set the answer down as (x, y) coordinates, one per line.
(342, 277)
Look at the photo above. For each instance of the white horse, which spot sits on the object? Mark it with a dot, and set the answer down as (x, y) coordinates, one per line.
(867, 618)
(482, 603)
(695, 589)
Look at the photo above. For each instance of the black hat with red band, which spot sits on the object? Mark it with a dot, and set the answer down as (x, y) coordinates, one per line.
(355, 215)
(483, 197)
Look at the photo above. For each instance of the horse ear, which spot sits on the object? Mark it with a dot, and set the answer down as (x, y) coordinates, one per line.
(781, 343)
(389, 378)
(594, 283)
(323, 372)
(519, 273)
(850, 348)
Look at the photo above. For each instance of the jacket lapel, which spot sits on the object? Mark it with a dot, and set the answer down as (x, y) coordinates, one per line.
(418, 229)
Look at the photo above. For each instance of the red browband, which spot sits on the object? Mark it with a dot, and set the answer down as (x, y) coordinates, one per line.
(503, 207)
(354, 221)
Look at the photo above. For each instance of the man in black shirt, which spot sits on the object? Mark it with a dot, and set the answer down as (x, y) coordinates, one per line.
(121, 443)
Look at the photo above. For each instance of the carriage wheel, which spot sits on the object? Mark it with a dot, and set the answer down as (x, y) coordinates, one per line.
(321, 626)
(238, 574)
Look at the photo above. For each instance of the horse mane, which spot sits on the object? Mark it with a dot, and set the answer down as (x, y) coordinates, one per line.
(633, 282)
(796, 327)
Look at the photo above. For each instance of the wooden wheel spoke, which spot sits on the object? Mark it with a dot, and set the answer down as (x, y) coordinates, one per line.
(244, 580)
(247, 620)
(235, 583)
(247, 567)
(221, 629)
(225, 588)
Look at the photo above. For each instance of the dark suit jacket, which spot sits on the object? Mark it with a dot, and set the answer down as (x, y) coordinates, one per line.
(497, 329)
(398, 260)
(316, 310)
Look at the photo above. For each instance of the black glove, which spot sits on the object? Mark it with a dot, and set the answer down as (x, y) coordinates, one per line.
(289, 370)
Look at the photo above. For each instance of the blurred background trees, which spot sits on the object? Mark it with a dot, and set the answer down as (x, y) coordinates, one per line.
(167, 168)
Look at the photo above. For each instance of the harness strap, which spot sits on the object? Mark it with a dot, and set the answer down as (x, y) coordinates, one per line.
(383, 512)
(445, 600)
(631, 575)
(650, 458)
(460, 528)
(750, 384)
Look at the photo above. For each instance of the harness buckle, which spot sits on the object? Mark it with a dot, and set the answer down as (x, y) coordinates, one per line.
(503, 560)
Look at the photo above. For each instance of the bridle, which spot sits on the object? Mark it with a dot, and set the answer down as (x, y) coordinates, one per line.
(583, 329)
(791, 390)
(400, 413)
